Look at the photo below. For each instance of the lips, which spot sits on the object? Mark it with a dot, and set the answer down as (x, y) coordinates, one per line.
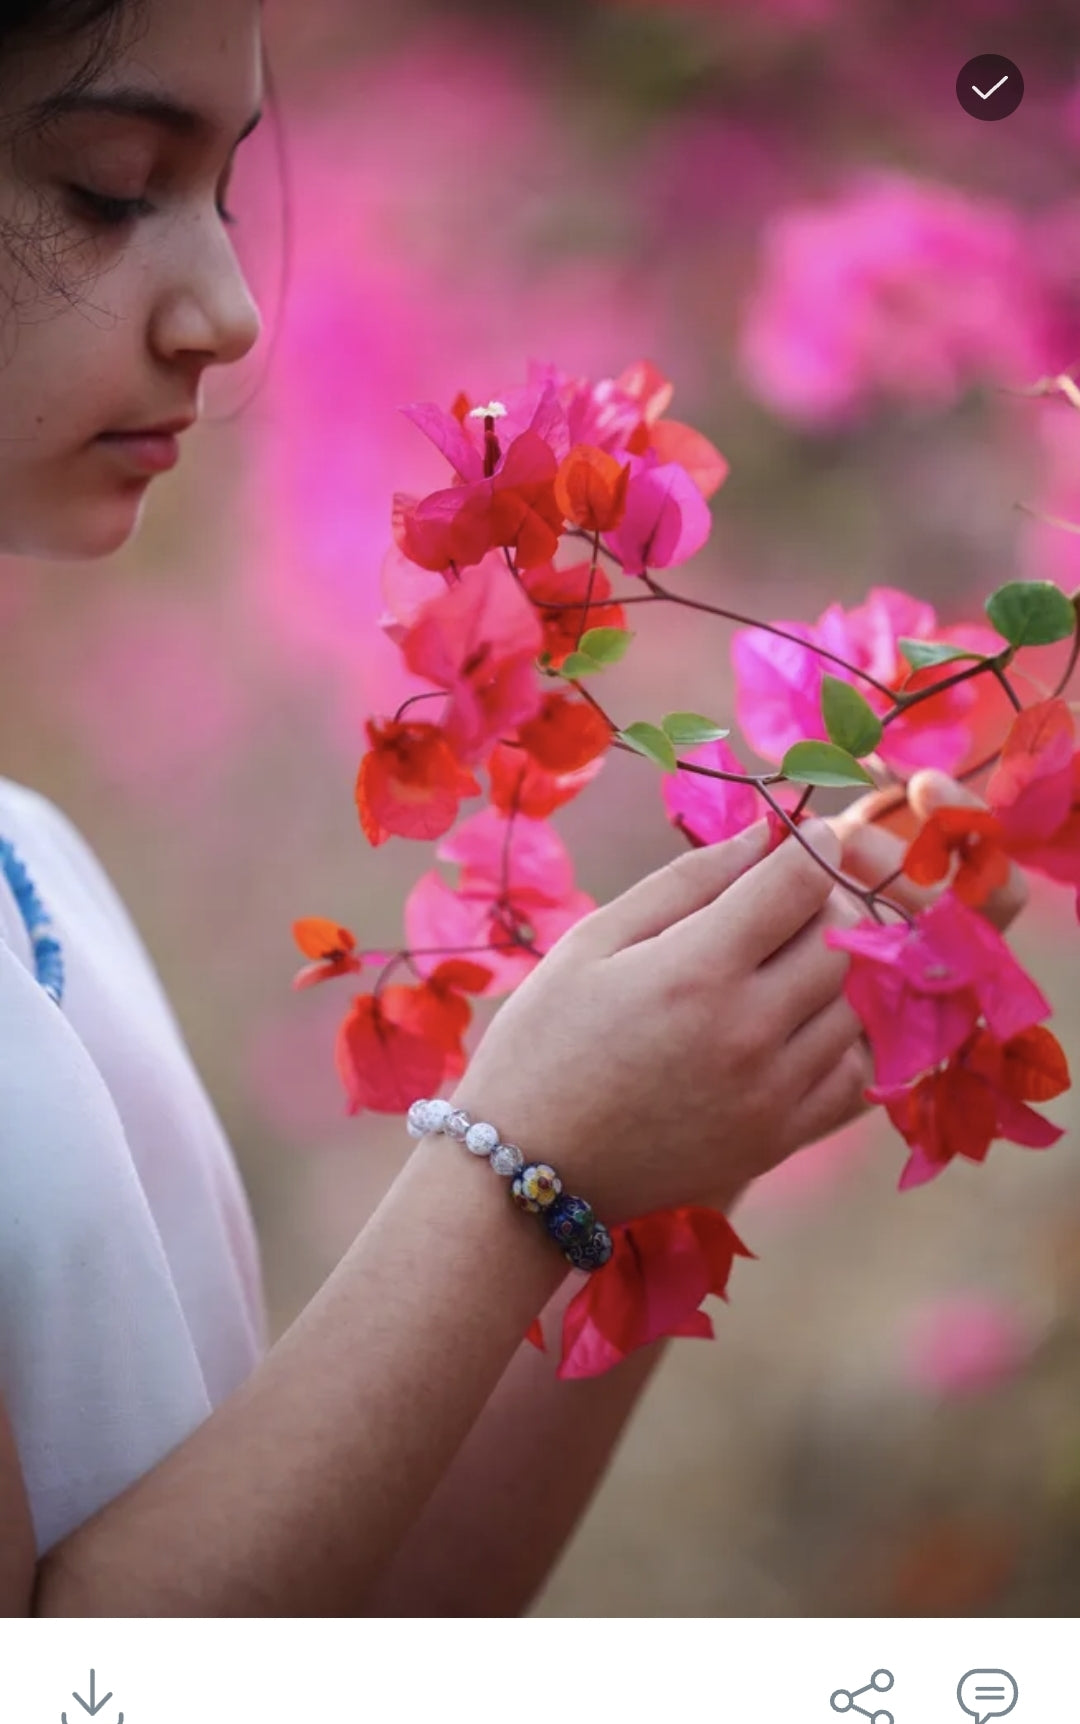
(146, 451)
(167, 428)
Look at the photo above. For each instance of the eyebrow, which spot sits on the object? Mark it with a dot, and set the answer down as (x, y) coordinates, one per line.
(134, 103)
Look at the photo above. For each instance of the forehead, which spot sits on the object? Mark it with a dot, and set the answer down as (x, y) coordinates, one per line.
(199, 56)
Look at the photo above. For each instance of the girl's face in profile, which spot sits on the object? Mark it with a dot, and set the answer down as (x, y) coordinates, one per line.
(118, 280)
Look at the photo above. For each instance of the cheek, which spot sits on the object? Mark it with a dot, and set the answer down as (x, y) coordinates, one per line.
(69, 365)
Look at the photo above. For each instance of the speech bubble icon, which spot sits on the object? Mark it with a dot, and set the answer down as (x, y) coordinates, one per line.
(987, 1694)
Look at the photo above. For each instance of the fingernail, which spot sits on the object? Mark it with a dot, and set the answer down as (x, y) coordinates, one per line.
(936, 786)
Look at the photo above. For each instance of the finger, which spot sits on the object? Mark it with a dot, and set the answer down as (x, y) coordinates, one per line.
(806, 975)
(670, 894)
(763, 908)
(873, 854)
(836, 1100)
(930, 789)
(818, 1046)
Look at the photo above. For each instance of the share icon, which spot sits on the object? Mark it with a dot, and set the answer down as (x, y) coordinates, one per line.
(844, 1699)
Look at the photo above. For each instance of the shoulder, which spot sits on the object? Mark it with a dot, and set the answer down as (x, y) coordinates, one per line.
(49, 833)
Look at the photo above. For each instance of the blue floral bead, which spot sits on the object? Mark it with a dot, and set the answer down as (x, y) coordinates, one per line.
(536, 1187)
(569, 1219)
(593, 1252)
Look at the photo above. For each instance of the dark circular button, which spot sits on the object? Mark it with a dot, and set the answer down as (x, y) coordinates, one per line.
(990, 87)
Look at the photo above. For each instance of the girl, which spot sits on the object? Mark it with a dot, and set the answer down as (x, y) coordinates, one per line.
(398, 1450)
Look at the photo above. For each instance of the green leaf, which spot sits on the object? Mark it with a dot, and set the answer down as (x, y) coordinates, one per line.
(651, 741)
(919, 654)
(690, 730)
(606, 646)
(851, 722)
(1031, 613)
(577, 664)
(822, 763)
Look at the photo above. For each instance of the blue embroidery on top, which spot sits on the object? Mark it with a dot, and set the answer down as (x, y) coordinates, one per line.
(48, 957)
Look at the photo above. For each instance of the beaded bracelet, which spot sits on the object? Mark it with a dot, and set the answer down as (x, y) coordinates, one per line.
(536, 1187)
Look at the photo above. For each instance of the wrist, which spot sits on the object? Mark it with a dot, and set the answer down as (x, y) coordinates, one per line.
(535, 1185)
(476, 1204)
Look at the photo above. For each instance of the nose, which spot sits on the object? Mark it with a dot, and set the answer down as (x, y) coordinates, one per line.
(206, 310)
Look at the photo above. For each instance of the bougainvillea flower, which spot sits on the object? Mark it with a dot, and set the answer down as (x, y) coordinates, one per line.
(666, 521)
(673, 442)
(893, 289)
(461, 434)
(778, 681)
(478, 640)
(663, 1265)
(973, 835)
(590, 489)
(406, 589)
(569, 589)
(520, 785)
(623, 416)
(410, 783)
(604, 413)
(437, 1011)
(565, 734)
(408, 1035)
(515, 897)
(980, 1095)
(383, 1065)
(1033, 817)
(515, 508)
(1031, 786)
(707, 810)
(331, 947)
(919, 991)
(1035, 793)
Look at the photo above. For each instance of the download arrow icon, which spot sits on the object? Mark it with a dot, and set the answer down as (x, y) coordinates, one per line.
(92, 1708)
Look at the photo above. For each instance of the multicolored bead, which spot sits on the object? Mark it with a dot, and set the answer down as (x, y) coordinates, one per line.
(481, 1138)
(569, 1219)
(536, 1187)
(593, 1252)
(507, 1159)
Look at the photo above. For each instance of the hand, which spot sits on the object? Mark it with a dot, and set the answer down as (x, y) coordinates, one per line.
(871, 852)
(685, 1037)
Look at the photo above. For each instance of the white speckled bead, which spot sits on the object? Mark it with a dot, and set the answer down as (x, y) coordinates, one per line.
(425, 1116)
(507, 1159)
(456, 1124)
(416, 1119)
(481, 1138)
(438, 1112)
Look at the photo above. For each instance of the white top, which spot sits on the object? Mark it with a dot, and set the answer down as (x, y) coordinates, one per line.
(131, 1299)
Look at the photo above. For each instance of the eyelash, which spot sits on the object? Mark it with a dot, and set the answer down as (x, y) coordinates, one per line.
(117, 212)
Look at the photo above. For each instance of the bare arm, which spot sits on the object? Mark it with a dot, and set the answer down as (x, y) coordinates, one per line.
(512, 1499)
(513, 1496)
(291, 1498)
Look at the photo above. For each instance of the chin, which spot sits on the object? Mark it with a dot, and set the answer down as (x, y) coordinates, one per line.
(94, 530)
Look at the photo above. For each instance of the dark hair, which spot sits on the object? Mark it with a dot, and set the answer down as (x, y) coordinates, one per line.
(32, 23)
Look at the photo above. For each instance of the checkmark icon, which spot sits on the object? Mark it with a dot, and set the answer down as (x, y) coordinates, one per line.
(988, 87)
